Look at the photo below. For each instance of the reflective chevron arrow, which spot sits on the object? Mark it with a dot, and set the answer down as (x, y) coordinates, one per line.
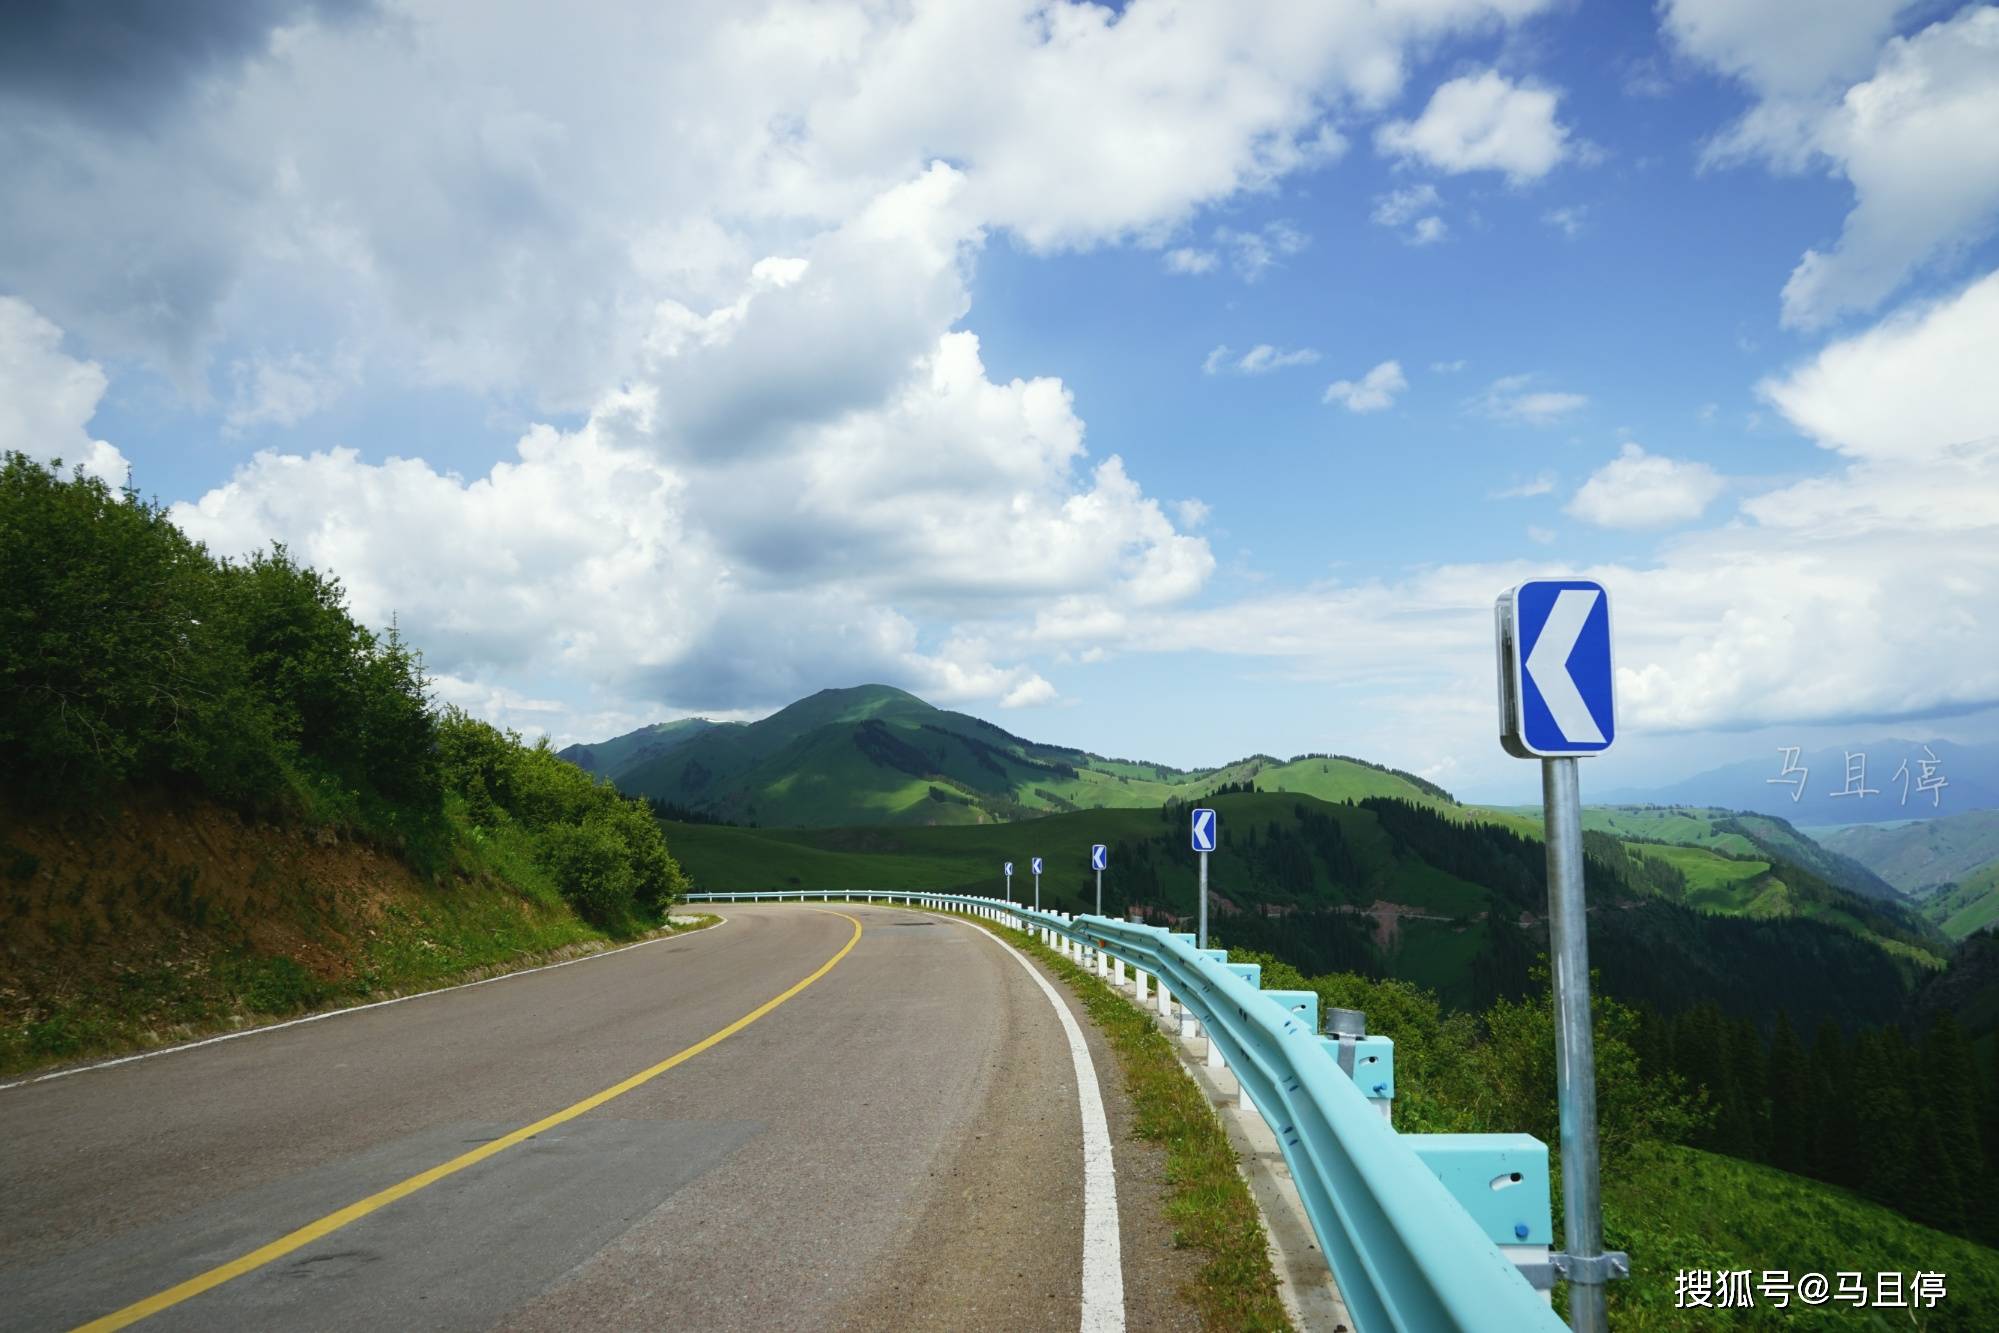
(1548, 666)
(1556, 679)
(1204, 830)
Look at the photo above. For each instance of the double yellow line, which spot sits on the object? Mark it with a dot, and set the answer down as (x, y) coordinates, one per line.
(354, 1212)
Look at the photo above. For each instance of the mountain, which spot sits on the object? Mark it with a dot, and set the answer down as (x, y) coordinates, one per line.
(1971, 773)
(622, 753)
(1922, 853)
(1736, 833)
(873, 754)
(1951, 864)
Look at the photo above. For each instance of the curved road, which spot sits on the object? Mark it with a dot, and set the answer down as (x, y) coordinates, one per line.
(898, 1144)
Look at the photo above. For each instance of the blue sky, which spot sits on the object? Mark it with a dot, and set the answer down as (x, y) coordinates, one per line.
(689, 362)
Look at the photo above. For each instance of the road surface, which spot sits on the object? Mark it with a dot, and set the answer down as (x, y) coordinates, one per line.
(896, 1144)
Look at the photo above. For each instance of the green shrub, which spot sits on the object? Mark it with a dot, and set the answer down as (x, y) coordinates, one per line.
(130, 656)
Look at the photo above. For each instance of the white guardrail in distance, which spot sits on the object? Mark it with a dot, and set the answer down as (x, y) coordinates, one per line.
(1422, 1231)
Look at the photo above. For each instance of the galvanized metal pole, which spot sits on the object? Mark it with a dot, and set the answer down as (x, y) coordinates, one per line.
(1100, 893)
(1037, 890)
(1575, 1046)
(1009, 888)
(1203, 930)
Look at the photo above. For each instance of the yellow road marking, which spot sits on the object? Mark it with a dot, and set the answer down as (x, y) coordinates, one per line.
(354, 1212)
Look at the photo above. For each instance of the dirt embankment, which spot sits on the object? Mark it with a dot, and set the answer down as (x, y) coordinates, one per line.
(169, 918)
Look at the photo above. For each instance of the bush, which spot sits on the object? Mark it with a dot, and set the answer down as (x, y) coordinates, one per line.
(592, 868)
(129, 656)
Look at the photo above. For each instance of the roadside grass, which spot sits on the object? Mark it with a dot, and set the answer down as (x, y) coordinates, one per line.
(414, 947)
(1209, 1203)
(1680, 1209)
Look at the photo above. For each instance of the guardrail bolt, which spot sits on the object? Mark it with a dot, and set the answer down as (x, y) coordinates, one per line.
(1345, 1023)
(1348, 1026)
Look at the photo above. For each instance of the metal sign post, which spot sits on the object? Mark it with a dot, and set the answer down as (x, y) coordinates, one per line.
(1204, 842)
(1557, 702)
(1100, 856)
(1035, 866)
(1008, 872)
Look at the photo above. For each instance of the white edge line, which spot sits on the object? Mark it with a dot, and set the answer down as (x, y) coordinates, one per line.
(357, 1008)
(1103, 1258)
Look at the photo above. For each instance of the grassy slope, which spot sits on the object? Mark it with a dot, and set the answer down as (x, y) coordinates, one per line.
(613, 757)
(1724, 866)
(875, 755)
(1972, 905)
(170, 920)
(1681, 1208)
(1923, 852)
(1732, 833)
(971, 857)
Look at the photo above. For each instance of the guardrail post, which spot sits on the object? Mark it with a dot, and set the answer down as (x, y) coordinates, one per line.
(1139, 985)
(1117, 971)
(1165, 1000)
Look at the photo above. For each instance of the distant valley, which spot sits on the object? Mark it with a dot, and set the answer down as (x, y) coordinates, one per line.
(1334, 860)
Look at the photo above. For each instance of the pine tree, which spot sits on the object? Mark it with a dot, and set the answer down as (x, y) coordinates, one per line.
(1838, 1151)
(1950, 1082)
(1890, 1121)
(1790, 1100)
(1984, 1196)
(1700, 1048)
(1748, 1073)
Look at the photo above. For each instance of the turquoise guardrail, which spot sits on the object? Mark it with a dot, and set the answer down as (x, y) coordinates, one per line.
(1415, 1227)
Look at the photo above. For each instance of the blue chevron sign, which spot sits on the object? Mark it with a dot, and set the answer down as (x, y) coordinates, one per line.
(1204, 830)
(1556, 679)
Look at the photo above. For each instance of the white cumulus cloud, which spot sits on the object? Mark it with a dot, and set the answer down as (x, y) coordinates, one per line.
(1913, 137)
(1483, 122)
(1372, 392)
(1916, 385)
(48, 398)
(1641, 490)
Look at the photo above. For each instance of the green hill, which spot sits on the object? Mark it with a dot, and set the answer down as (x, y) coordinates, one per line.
(623, 753)
(1731, 863)
(1967, 907)
(1388, 887)
(1950, 866)
(876, 755)
(1739, 833)
(1922, 852)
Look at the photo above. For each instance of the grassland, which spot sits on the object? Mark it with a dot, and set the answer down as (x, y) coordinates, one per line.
(1969, 906)
(1681, 1209)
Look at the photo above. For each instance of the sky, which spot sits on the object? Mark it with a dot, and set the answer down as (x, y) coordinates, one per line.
(1176, 381)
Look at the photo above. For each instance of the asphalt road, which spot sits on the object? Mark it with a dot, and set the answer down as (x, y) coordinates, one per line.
(898, 1145)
